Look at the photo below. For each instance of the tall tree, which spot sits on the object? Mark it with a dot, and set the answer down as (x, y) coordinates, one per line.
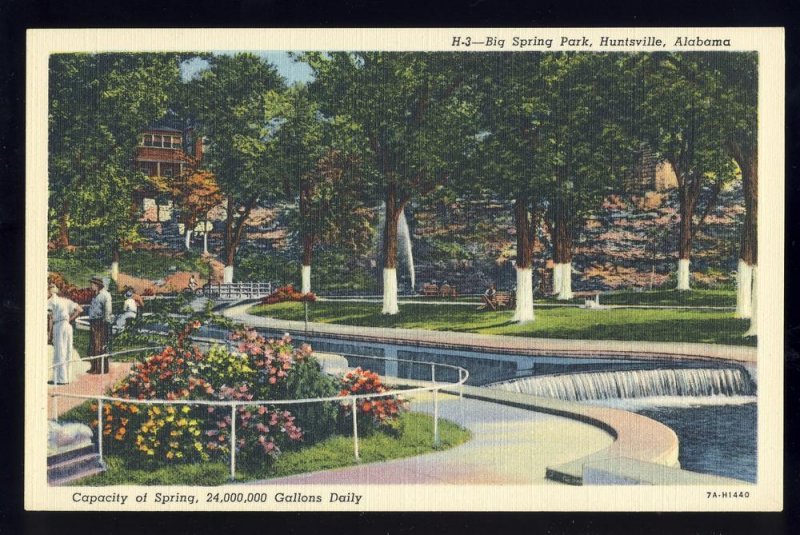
(509, 154)
(415, 112)
(583, 150)
(98, 105)
(300, 139)
(238, 103)
(740, 98)
(196, 192)
(682, 116)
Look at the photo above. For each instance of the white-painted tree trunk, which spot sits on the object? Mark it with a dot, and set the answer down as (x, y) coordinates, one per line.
(744, 290)
(556, 278)
(390, 291)
(753, 330)
(114, 271)
(683, 274)
(565, 290)
(524, 310)
(205, 243)
(305, 284)
(227, 275)
(188, 240)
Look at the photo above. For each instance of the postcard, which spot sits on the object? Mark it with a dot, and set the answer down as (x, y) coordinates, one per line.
(464, 269)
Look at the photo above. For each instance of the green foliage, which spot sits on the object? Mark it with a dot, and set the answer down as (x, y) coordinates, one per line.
(77, 266)
(308, 381)
(99, 103)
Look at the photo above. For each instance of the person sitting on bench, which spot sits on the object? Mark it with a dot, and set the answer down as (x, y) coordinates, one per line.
(488, 297)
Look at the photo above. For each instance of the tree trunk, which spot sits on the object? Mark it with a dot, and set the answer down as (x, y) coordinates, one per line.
(753, 330)
(748, 254)
(524, 309)
(115, 263)
(393, 211)
(685, 238)
(188, 239)
(562, 255)
(205, 242)
(233, 235)
(62, 241)
(308, 248)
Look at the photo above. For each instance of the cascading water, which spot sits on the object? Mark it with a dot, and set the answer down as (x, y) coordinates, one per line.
(404, 242)
(405, 254)
(687, 382)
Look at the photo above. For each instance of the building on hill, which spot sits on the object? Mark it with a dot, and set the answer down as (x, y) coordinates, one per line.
(165, 150)
(650, 174)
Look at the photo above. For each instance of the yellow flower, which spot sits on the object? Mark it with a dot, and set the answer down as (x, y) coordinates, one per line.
(185, 409)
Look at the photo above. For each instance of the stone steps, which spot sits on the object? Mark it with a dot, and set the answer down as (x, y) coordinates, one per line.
(64, 468)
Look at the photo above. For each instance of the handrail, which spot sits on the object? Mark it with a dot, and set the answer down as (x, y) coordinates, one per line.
(351, 400)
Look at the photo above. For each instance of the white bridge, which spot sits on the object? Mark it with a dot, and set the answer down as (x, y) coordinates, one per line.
(237, 290)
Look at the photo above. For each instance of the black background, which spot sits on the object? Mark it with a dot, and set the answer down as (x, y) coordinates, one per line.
(18, 15)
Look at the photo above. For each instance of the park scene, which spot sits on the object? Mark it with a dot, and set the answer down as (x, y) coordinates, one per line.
(402, 267)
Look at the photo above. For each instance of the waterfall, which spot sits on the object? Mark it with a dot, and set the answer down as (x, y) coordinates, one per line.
(404, 247)
(686, 382)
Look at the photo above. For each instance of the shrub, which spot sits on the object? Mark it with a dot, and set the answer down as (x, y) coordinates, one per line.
(371, 412)
(288, 293)
(253, 368)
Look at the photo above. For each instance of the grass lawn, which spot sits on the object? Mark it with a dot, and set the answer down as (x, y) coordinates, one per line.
(414, 437)
(709, 326)
(695, 298)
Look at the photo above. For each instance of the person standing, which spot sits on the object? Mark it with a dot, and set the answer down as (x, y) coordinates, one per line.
(61, 313)
(100, 318)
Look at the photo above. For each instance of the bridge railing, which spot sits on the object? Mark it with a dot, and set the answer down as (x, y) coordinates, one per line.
(238, 290)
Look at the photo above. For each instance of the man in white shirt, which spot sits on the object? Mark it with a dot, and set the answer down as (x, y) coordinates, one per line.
(61, 313)
(100, 318)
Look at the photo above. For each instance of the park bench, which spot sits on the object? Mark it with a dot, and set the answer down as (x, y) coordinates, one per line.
(448, 291)
(430, 290)
(498, 301)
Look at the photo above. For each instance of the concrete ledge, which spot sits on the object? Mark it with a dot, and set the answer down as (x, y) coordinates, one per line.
(512, 345)
(632, 472)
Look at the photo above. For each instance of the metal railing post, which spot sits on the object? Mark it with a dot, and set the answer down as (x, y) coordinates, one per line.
(100, 428)
(233, 442)
(435, 406)
(436, 417)
(355, 427)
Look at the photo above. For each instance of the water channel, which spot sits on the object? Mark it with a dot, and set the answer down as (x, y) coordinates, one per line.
(710, 405)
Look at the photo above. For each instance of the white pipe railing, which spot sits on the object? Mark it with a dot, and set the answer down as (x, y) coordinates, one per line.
(353, 399)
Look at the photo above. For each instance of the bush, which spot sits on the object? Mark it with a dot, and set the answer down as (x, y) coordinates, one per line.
(253, 368)
(287, 293)
(371, 412)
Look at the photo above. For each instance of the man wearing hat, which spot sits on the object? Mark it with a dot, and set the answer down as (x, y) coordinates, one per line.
(100, 319)
(61, 313)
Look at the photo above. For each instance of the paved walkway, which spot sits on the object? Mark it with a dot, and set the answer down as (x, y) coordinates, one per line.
(508, 446)
(84, 384)
(502, 343)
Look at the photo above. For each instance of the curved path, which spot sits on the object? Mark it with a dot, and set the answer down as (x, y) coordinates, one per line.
(508, 446)
(501, 343)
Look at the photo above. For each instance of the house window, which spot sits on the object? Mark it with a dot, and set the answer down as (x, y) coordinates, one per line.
(147, 140)
(168, 171)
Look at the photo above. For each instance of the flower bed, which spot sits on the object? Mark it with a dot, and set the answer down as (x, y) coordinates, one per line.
(288, 293)
(254, 369)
